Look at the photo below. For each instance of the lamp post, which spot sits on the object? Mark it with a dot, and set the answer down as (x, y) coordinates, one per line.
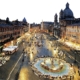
(75, 56)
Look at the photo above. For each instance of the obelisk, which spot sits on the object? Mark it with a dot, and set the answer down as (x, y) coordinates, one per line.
(29, 28)
(42, 25)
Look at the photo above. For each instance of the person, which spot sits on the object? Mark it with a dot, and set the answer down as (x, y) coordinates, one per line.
(79, 70)
(23, 50)
(23, 60)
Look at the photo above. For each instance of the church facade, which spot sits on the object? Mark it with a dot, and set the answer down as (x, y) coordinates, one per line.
(56, 28)
(47, 26)
(69, 25)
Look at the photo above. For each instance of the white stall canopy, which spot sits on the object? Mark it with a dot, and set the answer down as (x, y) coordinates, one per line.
(10, 48)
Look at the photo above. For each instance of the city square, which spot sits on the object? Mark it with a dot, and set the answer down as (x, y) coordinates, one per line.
(47, 58)
(44, 60)
(49, 50)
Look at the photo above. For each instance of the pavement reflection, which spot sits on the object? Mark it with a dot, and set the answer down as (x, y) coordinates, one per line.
(27, 74)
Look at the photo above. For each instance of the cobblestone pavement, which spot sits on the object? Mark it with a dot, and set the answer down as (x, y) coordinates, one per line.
(23, 70)
(26, 72)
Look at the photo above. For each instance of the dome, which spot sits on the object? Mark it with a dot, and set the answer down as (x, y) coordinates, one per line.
(68, 12)
(24, 20)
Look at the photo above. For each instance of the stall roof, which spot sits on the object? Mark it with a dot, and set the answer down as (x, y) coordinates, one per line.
(10, 48)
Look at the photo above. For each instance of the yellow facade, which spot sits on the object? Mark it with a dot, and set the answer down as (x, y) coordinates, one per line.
(73, 33)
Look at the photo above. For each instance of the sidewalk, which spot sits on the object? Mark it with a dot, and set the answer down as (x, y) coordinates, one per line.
(15, 71)
(26, 72)
(76, 75)
(70, 44)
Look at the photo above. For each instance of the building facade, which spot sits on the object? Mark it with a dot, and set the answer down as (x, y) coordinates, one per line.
(69, 25)
(10, 31)
(34, 28)
(73, 33)
(56, 28)
(47, 26)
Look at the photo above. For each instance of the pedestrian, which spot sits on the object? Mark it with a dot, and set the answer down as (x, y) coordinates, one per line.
(23, 60)
(79, 72)
(70, 77)
(37, 51)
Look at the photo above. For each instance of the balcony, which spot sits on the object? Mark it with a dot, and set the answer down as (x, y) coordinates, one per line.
(6, 32)
(16, 36)
(2, 40)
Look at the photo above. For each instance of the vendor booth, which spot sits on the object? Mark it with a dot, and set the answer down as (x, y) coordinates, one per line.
(10, 49)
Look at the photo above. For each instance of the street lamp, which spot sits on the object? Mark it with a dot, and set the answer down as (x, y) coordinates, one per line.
(75, 56)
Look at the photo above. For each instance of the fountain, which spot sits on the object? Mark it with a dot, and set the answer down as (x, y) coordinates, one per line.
(51, 66)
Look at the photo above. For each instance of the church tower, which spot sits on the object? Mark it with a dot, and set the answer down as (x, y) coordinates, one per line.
(61, 15)
(55, 20)
(29, 27)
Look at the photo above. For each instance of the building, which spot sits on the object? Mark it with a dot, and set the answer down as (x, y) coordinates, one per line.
(56, 28)
(10, 32)
(25, 24)
(73, 33)
(47, 26)
(66, 17)
(35, 27)
(69, 26)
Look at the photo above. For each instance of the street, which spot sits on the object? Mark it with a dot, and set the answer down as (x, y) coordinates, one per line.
(19, 66)
(44, 51)
(6, 69)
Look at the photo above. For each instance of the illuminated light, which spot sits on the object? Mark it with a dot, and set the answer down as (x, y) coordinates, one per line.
(61, 63)
(71, 44)
(22, 75)
(31, 56)
(3, 54)
(42, 63)
(71, 71)
(5, 45)
(54, 68)
(12, 43)
(27, 34)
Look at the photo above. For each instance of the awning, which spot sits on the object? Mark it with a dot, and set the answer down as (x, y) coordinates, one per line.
(10, 48)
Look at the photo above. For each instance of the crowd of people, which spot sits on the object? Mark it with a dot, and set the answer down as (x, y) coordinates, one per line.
(39, 43)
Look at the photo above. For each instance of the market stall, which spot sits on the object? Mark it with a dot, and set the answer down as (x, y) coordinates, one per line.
(10, 49)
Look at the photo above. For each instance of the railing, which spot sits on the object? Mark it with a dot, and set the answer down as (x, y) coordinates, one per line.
(9, 32)
(15, 36)
(6, 32)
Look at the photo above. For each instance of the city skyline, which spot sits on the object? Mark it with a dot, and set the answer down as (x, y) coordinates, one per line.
(35, 10)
